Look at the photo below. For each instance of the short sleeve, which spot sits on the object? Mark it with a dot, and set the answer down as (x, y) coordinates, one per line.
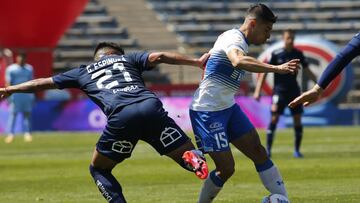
(69, 79)
(140, 60)
(233, 40)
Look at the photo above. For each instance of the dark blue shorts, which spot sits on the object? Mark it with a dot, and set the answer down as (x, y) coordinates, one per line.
(282, 99)
(145, 120)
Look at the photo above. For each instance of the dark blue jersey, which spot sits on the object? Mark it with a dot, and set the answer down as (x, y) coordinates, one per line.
(286, 82)
(112, 82)
(342, 59)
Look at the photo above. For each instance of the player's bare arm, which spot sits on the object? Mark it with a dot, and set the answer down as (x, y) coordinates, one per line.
(259, 84)
(28, 87)
(248, 63)
(307, 97)
(175, 58)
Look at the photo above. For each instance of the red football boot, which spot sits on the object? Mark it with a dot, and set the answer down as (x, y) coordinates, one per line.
(195, 160)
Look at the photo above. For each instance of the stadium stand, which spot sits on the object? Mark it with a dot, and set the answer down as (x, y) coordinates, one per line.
(198, 23)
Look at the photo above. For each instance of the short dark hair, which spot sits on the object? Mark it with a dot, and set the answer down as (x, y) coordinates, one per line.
(290, 31)
(262, 12)
(111, 45)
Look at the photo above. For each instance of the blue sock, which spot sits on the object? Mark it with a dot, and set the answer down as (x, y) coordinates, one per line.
(107, 185)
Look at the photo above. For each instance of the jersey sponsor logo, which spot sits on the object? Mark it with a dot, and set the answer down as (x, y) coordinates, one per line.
(216, 126)
(169, 136)
(103, 191)
(126, 89)
(122, 147)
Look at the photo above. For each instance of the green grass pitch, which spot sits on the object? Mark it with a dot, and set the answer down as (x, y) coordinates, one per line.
(54, 168)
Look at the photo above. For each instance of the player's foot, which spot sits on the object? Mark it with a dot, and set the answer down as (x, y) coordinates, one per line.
(297, 154)
(28, 137)
(195, 160)
(9, 139)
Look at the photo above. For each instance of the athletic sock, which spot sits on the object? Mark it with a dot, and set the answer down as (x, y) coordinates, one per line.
(211, 187)
(107, 184)
(298, 137)
(270, 133)
(271, 178)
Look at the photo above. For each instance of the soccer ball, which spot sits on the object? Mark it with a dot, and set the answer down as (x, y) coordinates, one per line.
(275, 198)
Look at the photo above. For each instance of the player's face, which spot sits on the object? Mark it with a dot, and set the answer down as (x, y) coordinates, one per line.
(261, 32)
(288, 40)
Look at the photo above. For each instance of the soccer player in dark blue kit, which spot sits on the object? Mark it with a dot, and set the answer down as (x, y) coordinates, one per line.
(286, 88)
(134, 113)
(342, 59)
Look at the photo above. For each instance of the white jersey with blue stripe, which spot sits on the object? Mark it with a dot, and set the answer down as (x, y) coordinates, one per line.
(221, 80)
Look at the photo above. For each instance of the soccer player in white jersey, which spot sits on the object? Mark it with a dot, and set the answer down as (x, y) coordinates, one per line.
(217, 120)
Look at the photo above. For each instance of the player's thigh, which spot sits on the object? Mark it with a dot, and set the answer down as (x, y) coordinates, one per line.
(250, 145)
(121, 134)
(161, 131)
(278, 103)
(224, 161)
(210, 129)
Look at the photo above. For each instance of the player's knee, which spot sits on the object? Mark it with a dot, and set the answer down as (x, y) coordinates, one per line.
(260, 154)
(226, 171)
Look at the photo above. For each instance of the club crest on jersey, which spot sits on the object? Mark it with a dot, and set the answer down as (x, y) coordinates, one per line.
(122, 147)
(169, 136)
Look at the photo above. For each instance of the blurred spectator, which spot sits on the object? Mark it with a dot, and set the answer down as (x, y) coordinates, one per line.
(17, 73)
(6, 58)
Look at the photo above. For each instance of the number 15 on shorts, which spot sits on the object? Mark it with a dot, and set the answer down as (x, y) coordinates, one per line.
(221, 140)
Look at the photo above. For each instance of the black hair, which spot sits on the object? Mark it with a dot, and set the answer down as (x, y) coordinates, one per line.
(262, 12)
(110, 45)
(289, 30)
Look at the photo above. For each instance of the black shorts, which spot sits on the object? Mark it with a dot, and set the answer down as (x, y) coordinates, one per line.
(282, 99)
(145, 120)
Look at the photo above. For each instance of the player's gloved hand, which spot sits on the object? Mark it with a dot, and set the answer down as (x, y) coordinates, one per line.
(4, 93)
(196, 162)
(291, 66)
(307, 97)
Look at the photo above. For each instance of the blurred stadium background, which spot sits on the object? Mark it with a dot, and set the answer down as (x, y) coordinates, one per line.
(65, 38)
(59, 35)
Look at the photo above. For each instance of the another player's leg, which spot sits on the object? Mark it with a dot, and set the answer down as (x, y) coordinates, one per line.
(270, 132)
(11, 127)
(210, 130)
(225, 168)
(191, 159)
(250, 145)
(109, 187)
(298, 128)
(26, 126)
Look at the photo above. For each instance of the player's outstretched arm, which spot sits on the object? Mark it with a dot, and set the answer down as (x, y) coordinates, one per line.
(307, 97)
(28, 87)
(239, 60)
(156, 58)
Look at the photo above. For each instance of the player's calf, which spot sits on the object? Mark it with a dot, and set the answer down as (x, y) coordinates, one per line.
(195, 161)
(107, 184)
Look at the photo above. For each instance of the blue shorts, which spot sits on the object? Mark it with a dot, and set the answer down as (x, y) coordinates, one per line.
(145, 120)
(214, 130)
(282, 99)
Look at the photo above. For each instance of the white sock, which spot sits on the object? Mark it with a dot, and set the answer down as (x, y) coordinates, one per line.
(273, 181)
(211, 187)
